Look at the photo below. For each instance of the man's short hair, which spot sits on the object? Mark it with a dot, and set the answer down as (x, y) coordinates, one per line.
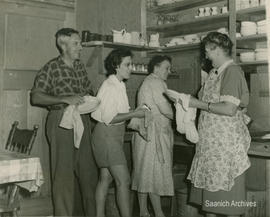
(64, 32)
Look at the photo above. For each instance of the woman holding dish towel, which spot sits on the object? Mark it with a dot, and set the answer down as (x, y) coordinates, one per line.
(108, 134)
(218, 169)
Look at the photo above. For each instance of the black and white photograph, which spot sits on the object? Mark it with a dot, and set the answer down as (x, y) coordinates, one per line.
(134, 108)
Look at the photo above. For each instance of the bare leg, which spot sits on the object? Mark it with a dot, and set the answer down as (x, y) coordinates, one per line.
(105, 179)
(156, 203)
(142, 197)
(121, 177)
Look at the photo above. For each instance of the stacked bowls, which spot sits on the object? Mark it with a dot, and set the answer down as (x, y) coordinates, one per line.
(261, 54)
(248, 28)
(247, 56)
(261, 26)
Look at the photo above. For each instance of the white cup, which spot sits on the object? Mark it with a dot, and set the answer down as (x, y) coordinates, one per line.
(207, 11)
(201, 12)
(214, 11)
(224, 10)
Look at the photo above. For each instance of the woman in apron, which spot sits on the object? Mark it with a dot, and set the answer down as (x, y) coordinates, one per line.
(108, 134)
(218, 169)
(152, 159)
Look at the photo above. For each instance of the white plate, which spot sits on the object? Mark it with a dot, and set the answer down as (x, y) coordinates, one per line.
(90, 104)
(173, 94)
(266, 136)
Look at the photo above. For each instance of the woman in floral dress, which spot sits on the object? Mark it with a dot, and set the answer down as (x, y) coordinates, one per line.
(218, 169)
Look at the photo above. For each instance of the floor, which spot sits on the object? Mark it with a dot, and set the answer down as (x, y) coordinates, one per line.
(42, 206)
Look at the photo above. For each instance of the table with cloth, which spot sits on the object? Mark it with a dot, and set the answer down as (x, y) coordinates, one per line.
(23, 170)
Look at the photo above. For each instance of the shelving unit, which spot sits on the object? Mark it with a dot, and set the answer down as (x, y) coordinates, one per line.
(183, 5)
(257, 37)
(117, 45)
(196, 25)
(177, 48)
(250, 42)
(254, 63)
(250, 11)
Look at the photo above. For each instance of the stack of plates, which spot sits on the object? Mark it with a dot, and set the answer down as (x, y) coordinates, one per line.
(248, 28)
(261, 27)
(261, 54)
(176, 41)
(163, 2)
(247, 56)
(192, 38)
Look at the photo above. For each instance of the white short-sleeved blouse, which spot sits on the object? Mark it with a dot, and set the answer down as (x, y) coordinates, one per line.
(114, 100)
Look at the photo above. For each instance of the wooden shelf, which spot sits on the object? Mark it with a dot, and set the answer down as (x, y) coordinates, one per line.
(257, 37)
(182, 5)
(177, 48)
(243, 50)
(263, 93)
(117, 45)
(261, 62)
(252, 11)
(139, 73)
(201, 24)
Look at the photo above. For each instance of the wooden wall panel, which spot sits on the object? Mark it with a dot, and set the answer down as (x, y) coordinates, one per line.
(29, 41)
(15, 109)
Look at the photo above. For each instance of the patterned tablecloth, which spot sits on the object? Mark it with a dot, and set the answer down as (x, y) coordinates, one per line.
(24, 170)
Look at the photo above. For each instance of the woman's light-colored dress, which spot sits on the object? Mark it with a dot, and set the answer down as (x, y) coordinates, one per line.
(152, 160)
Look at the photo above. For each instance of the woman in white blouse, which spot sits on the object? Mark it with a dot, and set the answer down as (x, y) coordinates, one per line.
(108, 135)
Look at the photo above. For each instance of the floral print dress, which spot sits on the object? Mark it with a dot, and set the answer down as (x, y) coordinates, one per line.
(221, 154)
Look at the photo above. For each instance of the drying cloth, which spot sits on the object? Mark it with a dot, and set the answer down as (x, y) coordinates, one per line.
(185, 118)
(72, 117)
(142, 125)
(72, 120)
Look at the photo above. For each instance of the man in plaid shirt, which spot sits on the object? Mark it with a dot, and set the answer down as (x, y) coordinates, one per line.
(61, 82)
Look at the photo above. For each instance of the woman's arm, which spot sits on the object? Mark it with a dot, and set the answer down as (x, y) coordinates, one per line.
(165, 109)
(221, 108)
(137, 113)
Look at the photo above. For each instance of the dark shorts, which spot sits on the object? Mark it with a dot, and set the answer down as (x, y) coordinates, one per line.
(107, 143)
(222, 202)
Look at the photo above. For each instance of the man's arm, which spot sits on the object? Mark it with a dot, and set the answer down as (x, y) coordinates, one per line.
(43, 99)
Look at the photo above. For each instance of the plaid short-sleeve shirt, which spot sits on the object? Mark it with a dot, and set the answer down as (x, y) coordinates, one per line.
(58, 79)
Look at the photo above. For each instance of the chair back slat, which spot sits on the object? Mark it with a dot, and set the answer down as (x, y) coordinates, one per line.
(21, 140)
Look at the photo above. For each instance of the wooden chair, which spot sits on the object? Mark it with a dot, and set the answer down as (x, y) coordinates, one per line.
(21, 141)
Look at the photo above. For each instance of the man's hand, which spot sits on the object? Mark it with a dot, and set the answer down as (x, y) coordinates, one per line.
(73, 100)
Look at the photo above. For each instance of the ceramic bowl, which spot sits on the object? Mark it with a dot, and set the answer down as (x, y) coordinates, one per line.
(247, 56)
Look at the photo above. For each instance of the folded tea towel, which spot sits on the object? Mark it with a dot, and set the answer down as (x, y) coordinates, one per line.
(72, 120)
(142, 125)
(72, 117)
(185, 118)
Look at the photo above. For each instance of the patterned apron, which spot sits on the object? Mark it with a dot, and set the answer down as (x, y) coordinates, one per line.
(221, 154)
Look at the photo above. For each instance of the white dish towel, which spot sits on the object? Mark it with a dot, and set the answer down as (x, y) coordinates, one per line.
(72, 117)
(185, 118)
(72, 120)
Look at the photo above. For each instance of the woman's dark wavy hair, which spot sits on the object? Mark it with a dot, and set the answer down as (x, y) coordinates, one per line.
(156, 60)
(114, 59)
(217, 39)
